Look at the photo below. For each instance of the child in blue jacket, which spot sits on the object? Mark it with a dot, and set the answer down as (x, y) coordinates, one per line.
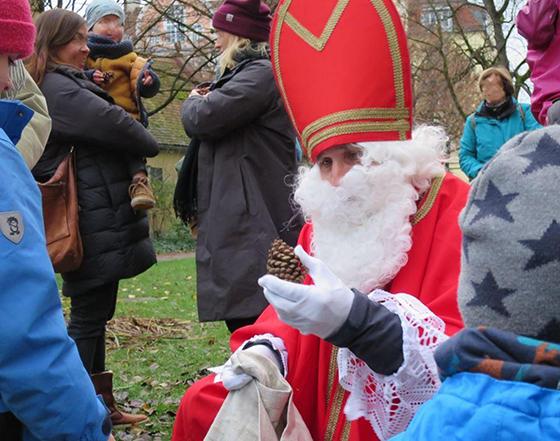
(45, 393)
(501, 374)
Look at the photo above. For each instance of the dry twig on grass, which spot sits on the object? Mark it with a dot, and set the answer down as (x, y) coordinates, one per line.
(147, 328)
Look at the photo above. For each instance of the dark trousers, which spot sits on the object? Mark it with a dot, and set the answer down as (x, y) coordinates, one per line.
(89, 313)
(234, 324)
(10, 427)
(135, 164)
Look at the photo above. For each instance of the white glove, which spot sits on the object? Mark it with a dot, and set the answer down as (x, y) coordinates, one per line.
(318, 309)
(235, 378)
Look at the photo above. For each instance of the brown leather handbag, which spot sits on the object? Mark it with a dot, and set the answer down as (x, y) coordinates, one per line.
(60, 213)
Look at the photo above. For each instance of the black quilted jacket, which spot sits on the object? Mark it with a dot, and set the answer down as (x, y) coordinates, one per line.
(116, 240)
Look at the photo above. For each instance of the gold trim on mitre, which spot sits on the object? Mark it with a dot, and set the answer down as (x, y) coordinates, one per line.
(354, 114)
(282, 11)
(393, 40)
(348, 128)
(318, 43)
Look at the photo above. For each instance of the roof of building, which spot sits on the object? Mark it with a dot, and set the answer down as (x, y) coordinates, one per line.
(166, 125)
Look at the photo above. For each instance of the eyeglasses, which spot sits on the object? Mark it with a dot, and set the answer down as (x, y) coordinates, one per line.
(79, 38)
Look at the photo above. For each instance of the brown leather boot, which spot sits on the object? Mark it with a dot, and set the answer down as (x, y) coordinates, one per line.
(103, 383)
(141, 194)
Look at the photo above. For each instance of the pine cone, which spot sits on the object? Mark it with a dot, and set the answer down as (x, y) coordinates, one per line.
(283, 263)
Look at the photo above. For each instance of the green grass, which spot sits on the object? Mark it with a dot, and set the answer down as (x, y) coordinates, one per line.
(154, 363)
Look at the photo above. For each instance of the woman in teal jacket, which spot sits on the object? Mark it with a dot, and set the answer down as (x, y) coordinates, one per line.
(498, 118)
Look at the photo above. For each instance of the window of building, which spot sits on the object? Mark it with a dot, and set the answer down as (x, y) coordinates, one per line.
(197, 30)
(174, 26)
(432, 16)
(153, 39)
(155, 173)
(481, 17)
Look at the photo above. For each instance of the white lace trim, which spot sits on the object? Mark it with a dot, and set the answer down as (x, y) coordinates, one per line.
(389, 402)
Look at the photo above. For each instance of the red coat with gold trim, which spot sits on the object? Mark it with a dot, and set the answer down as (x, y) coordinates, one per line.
(431, 275)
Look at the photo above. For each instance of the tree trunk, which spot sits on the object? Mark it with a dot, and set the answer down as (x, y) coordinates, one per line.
(37, 6)
(497, 19)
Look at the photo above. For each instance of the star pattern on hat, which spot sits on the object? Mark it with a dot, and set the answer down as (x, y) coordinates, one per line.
(546, 249)
(494, 204)
(546, 153)
(488, 293)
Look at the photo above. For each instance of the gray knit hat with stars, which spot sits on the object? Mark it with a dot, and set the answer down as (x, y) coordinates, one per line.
(510, 264)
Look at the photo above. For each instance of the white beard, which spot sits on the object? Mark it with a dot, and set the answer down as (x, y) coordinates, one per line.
(361, 229)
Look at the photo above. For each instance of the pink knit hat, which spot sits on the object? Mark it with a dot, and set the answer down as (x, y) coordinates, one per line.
(244, 18)
(17, 31)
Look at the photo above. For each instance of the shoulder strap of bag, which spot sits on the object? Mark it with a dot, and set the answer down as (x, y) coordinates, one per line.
(522, 113)
(472, 122)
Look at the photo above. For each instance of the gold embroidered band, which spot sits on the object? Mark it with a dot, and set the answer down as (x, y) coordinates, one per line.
(318, 43)
(361, 127)
(354, 114)
(393, 41)
(429, 201)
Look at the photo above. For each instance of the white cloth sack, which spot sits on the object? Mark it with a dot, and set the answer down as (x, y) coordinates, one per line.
(263, 410)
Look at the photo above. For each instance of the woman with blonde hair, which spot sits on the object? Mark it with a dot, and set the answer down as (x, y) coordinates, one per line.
(233, 184)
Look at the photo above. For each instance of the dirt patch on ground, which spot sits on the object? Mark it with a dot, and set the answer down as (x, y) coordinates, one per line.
(174, 256)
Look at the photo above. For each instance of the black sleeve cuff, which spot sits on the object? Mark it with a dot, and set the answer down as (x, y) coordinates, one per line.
(373, 334)
(89, 74)
(269, 346)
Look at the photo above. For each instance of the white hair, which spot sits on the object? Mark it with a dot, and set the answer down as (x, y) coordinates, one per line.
(421, 158)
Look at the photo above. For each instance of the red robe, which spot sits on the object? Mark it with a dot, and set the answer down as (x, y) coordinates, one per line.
(431, 274)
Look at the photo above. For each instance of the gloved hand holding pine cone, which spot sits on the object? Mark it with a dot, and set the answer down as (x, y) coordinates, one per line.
(283, 263)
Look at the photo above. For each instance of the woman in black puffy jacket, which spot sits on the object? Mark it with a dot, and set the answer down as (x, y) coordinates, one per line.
(115, 239)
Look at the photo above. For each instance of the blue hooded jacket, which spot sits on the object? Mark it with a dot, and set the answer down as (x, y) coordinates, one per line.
(42, 379)
(497, 386)
(477, 407)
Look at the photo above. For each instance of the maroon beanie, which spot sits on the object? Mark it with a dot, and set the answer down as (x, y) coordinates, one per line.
(244, 18)
(17, 31)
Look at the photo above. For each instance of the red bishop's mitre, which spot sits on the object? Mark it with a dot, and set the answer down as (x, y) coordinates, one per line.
(343, 69)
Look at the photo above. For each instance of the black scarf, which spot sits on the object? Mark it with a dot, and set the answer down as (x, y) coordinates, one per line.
(185, 198)
(102, 47)
(499, 112)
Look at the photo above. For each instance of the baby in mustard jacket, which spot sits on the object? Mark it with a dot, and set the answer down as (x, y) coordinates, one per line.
(113, 65)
